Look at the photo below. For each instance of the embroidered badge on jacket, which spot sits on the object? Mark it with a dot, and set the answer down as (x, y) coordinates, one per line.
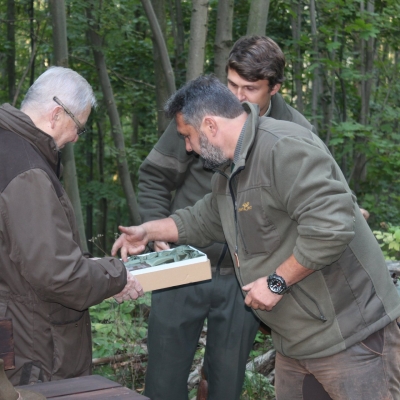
(245, 207)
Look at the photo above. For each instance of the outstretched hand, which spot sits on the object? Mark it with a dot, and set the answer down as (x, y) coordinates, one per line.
(132, 241)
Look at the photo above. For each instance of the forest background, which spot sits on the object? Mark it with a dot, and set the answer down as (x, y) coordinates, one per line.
(342, 73)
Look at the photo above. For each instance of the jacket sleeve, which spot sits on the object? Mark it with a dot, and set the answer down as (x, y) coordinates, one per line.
(162, 172)
(314, 192)
(44, 251)
(200, 223)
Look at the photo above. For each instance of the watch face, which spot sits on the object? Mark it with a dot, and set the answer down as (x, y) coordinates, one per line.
(276, 284)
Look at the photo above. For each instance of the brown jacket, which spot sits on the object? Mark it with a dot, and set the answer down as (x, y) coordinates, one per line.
(46, 284)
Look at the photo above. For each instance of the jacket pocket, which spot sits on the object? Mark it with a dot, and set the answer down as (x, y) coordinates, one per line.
(307, 303)
(60, 315)
(257, 233)
(72, 351)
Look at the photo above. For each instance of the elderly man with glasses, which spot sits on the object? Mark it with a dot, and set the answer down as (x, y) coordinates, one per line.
(46, 284)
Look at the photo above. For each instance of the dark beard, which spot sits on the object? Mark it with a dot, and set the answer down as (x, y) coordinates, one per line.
(213, 155)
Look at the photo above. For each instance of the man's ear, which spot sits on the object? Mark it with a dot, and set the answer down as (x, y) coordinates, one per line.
(210, 124)
(275, 89)
(55, 115)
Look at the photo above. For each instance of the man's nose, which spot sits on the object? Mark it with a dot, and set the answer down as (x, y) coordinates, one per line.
(240, 95)
(187, 145)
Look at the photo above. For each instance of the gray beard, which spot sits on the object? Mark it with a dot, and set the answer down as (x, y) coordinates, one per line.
(213, 156)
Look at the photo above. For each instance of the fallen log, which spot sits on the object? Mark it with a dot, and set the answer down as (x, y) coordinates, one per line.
(264, 363)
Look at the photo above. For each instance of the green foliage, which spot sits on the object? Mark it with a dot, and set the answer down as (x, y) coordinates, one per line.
(389, 240)
(257, 386)
(119, 329)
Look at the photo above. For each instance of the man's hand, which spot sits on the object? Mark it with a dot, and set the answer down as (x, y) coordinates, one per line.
(259, 297)
(160, 245)
(365, 213)
(132, 241)
(132, 290)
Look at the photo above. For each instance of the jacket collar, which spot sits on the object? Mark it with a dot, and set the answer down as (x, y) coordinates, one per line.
(250, 133)
(279, 109)
(18, 122)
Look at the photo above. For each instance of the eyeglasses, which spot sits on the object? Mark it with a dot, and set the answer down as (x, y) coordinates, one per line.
(81, 128)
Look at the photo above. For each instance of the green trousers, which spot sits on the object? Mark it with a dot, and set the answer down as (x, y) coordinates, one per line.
(175, 323)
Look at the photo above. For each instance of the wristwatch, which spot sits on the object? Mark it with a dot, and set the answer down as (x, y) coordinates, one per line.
(277, 284)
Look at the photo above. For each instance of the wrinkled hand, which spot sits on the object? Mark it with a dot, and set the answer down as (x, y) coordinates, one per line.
(259, 297)
(132, 290)
(132, 241)
(159, 246)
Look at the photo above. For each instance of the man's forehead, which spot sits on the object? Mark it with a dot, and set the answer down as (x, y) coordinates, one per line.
(180, 121)
(182, 127)
(237, 79)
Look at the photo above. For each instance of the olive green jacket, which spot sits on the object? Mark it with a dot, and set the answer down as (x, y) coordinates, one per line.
(286, 195)
(171, 178)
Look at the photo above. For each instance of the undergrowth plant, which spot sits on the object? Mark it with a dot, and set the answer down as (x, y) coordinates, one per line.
(117, 330)
(389, 240)
(121, 329)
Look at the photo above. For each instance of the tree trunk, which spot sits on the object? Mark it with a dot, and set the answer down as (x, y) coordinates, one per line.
(297, 66)
(180, 38)
(328, 100)
(366, 69)
(315, 60)
(162, 92)
(197, 40)
(11, 49)
(116, 128)
(89, 178)
(59, 23)
(31, 13)
(103, 206)
(258, 17)
(223, 37)
(159, 39)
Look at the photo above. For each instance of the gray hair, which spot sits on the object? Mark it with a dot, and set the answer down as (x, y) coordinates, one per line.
(205, 95)
(70, 87)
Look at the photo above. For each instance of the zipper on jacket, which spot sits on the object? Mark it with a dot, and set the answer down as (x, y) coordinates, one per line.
(319, 317)
(233, 191)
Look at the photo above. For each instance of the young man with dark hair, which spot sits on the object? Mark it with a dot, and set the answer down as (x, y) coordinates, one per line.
(171, 178)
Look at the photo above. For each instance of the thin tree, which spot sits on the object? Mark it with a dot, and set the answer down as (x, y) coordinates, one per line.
(223, 37)
(162, 47)
(162, 92)
(179, 37)
(315, 60)
(116, 128)
(11, 49)
(60, 49)
(367, 55)
(197, 40)
(296, 10)
(258, 17)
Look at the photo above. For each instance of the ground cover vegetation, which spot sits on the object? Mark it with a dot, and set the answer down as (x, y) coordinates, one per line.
(342, 73)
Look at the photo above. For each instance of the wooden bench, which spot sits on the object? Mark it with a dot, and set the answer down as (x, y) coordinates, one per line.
(84, 388)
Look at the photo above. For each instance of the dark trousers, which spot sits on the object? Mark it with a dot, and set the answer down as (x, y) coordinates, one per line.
(175, 323)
